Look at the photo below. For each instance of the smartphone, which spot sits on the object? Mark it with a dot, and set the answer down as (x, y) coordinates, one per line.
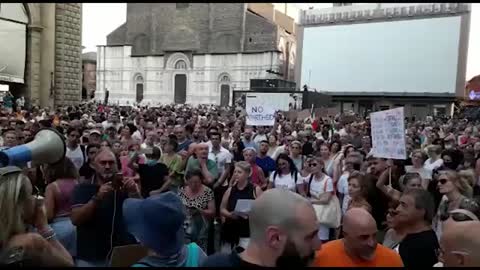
(117, 181)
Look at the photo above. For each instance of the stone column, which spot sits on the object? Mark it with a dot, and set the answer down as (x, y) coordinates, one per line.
(47, 54)
(32, 69)
(68, 46)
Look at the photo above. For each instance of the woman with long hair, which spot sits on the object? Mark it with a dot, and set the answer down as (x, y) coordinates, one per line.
(258, 177)
(295, 151)
(87, 171)
(236, 229)
(272, 145)
(63, 177)
(21, 208)
(200, 204)
(286, 176)
(174, 163)
(454, 189)
(319, 189)
(237, 150)
(359, 186)
(335, 150)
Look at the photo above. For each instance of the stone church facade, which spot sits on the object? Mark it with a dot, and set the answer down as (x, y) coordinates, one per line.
(52, 58)
(195, 53)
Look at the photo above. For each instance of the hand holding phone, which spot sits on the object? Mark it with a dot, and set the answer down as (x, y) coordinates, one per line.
(117, 181)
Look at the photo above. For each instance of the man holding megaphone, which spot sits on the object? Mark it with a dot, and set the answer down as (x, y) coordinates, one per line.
(97, 211)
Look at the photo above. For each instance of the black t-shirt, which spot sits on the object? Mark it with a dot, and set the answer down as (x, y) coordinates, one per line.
(227, 260)
(152, 177)
(93, 237)
(419, 249)
(86, 171)
(379, 202)
(307, 149)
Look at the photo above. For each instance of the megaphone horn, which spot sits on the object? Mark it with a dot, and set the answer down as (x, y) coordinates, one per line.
(48, 146)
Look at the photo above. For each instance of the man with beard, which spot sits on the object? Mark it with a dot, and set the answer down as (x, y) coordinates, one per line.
(359, 247)
(247, 139)
(97, 212)
(283, 232)
(264, 161)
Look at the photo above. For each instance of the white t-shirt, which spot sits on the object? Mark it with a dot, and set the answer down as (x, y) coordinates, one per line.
(76, 156)
(286, 181)
(342, 187)
(221, 158)
(317, 187)
(432, 166)
(259, 138)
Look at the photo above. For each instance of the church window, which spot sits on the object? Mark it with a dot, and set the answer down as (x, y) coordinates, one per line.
(182, 5)
(225, 79)
(180, 65)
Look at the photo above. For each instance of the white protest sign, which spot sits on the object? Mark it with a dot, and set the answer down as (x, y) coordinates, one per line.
(260, 110)
(388, 134)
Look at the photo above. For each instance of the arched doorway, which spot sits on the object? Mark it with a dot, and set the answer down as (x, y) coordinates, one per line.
(224, 90)
(180, 96)
(139, 88)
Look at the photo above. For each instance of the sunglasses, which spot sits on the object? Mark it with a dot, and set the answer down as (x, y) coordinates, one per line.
(459, 215)
(311, 165)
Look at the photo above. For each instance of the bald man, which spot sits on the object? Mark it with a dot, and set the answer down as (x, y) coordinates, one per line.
(96, 207)
(359, 247)
(283, 232)
(460, 244)
(200, 161)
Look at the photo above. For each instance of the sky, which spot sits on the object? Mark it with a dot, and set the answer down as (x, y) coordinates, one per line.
(99, 20)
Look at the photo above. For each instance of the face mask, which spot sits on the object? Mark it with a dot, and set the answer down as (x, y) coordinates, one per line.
(448, 146)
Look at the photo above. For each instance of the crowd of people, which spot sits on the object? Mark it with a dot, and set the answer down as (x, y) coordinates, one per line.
(195, 186)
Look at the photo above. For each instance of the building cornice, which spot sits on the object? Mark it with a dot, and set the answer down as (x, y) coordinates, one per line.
(348, 15)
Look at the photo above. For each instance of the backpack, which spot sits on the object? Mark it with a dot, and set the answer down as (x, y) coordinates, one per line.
(193, 253)
(295, 176)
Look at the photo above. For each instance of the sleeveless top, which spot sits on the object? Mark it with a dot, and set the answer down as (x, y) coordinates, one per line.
(63, 196)
(240, 227)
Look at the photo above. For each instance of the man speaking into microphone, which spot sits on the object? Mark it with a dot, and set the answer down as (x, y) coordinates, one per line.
(97, 212)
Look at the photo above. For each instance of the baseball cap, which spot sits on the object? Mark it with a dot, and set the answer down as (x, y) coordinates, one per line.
(157, 222)
(94, 131)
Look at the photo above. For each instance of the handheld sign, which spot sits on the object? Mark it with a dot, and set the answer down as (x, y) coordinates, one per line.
(259, 113)
(388, 134)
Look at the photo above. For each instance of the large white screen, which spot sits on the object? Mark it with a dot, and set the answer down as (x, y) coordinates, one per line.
(417, 56)
(12, 51)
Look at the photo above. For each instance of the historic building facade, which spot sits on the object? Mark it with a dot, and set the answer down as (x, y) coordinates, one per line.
(47, 62)
(195, 53)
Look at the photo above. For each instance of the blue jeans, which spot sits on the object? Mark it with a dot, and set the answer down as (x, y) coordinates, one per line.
(66, 234)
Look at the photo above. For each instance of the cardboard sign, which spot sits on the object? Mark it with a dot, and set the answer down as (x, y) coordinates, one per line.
(388, 134)
(260, 111)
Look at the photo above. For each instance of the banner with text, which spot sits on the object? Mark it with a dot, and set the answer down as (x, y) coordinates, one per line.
(388, 134)
(260, 110)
